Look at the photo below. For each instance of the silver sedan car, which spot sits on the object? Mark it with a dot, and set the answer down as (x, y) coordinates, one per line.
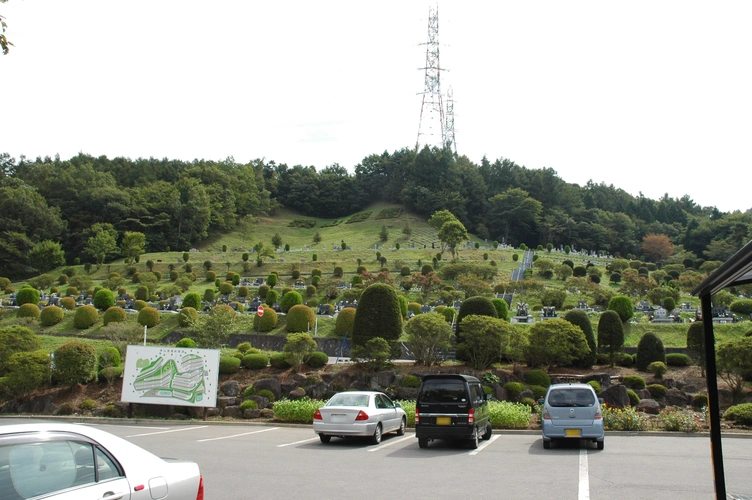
(73, 462)
(361, 413)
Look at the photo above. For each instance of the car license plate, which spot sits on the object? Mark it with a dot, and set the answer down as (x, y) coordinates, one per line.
(338, 418)
(443, 420)
(572, 433)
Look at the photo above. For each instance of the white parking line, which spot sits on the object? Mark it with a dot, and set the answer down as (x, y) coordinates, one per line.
(484, 445)
(297, 442)
(192, 427)
(385, 444)
(121, 426)
(584, 492)
(237, 435)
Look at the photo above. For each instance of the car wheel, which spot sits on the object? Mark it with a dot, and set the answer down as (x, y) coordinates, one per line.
(324, 438)
(376, 438)
(546, 444)
(488, 432)
(600, 444)
(423, 442)
(401, 430)
(474, 441)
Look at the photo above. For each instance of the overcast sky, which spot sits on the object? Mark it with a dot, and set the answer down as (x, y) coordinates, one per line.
(651, 96)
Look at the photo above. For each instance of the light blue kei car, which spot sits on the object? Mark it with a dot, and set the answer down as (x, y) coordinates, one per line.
(572, 411)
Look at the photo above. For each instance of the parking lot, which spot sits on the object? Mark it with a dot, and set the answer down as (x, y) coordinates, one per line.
(244, 461)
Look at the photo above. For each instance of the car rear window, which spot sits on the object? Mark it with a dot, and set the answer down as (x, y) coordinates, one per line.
(443, 391)
(348, 400)
(571, 397)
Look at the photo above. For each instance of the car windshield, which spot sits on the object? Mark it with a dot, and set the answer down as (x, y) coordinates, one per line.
(348, 400)
(571, 397)
(443, 391)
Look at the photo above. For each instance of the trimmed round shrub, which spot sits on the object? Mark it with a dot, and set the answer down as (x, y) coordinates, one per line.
(634, 399)
(634, 382)
(378, 315)
(402, 305)
(700, 400)
(210, 276)
(27, 295)
(449, 313)
(243, 291)
(315, 280)
(249, 404)
(51, 315)
(658, 391)
(474, 305)
(514, 389)
(110, 374)
(186, 342)
(140, 304)
(538, 377)
(75, 363)
(228, 365)
(113, 315)
(226, 288)
(739, 306)
(623, 307)
(28, 371)
(209, 295)
(279, 360)
(311, 290)
(271, 297)
(410, 381)
(595, 385)
(300, 318)
(266, 393)
(267, 322)
(345, 322)
(263, 290)
(414, 308)
(28, 311)
(657, 368)
(678, 359)
(104, 299)
(256, 361)
(192, 299)
(649, 349)
(579, 318)
(338, 271)
(502, 308)
(187, 316)
(624, 359)
(109, 356)
(317, 359)
(290, 299)
(85, 317)
(538, 390)
(405, 271)
(741, 414)
(68, 303)
(16, 338)
(71, 291)
(148, 317)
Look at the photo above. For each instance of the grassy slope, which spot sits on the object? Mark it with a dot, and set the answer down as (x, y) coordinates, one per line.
(361, 238)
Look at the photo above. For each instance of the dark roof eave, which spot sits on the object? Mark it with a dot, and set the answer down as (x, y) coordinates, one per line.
(737, 270)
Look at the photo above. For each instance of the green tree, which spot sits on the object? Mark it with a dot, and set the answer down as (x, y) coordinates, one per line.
(622, 305)
(734, 360)
(481, 341)
(579, 318)
(316, 238)
(46, 255)
(213, 329)
(556, 342)
(480, 306)
(378, 315)
(610, 334)
(384, 233)
(297, 348)
(276, 240)
(514, 213)
(132, 245)
(428, 335)
(101, 245)
(438, 219)
(13, 339)
(649, 349)
(452, 233)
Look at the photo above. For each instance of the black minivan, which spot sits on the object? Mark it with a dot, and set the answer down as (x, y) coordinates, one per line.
(451, 407)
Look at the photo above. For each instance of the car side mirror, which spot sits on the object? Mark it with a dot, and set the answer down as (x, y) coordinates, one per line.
(397, 405)
(540, 401)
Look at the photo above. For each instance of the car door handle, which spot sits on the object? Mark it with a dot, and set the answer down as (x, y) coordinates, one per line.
(111, 495)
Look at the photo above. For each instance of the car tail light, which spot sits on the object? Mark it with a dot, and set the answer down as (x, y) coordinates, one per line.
(546, 416)
(471, 416)
(200, 494)
(598, 415)
(362, 415)
(317, 415)
(417, 416)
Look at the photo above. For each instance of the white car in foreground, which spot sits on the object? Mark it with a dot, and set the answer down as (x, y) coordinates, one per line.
(359, 413)
(67, 462)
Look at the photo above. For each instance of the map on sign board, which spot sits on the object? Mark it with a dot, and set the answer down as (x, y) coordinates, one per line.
(171, 376)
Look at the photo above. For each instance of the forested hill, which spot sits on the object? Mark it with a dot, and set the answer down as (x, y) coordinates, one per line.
(177, 204)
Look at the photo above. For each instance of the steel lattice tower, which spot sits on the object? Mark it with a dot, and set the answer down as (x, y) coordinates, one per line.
(431, 127)
(449, 127)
